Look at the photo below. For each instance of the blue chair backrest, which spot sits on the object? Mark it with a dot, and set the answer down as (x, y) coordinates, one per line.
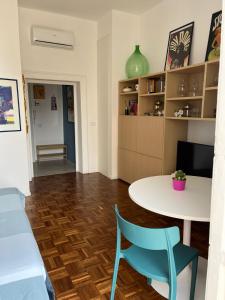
(148, 238)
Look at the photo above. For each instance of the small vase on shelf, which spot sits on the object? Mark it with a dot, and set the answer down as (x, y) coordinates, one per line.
(137, 64)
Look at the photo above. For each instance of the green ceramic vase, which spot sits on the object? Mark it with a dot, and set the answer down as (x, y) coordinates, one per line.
(137, 64)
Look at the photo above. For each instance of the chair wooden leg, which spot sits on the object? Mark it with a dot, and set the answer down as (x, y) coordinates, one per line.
(193, 278)
(115, 272)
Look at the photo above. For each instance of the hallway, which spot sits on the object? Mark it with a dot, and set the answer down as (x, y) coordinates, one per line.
(73, 222)
(52, 167)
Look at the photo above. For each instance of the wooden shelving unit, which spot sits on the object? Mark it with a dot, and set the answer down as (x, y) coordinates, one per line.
(184, 98)
(147, 143)
(41, 151)
(190, 119)
(211, 88)
(127, 97)
(189, 76)
(148, 97)
(153, 94)
(129, 93)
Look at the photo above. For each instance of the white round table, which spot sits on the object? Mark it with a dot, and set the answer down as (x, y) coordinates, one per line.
(156, 194)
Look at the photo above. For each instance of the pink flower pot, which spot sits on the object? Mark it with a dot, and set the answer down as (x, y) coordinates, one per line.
(179, 185)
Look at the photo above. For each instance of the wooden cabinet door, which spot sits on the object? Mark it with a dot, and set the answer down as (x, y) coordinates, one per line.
(127, 165)
(150, 136)
(128, 132)
(148, 166)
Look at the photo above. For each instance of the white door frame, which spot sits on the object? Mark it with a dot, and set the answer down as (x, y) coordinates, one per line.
(81, 123)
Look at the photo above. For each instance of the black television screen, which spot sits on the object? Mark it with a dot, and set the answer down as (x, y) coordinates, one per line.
(195, 159)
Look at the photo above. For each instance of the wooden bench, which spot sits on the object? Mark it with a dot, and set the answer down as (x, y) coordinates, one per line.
(41, 148)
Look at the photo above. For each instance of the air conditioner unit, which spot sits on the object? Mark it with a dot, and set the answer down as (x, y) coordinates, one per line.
(52, 37)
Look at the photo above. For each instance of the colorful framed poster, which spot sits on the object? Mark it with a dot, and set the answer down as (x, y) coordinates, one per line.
(70, 103)
(179, 47)
(213, 48)
(9, 105)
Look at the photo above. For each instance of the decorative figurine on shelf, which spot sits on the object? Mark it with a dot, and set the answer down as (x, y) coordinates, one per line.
(137, 64)
(158, 109)
(178, 113)
(187, 111)
(127, 89)
(179, 180)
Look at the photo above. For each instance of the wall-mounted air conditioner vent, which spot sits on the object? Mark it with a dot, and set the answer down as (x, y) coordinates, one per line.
(52, 37)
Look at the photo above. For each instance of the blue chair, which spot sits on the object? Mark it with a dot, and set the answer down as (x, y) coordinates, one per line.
(154, 253)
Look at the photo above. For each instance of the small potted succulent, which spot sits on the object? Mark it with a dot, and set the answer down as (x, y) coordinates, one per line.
(179, 180)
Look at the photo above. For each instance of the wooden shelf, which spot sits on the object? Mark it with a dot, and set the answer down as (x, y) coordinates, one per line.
(153, 94)
(211, 88)
(146, 116)
(51, 155)
(212, 71)
(184, 98)
(197, 68)
(122, 115)
(129, 80)
(129, 93)
(209, 119)
(153, 75)
(190, 119)
(215, 61)
(147, 144)
(52, 147)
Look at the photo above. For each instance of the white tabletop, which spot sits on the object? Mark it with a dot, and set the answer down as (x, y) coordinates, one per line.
(157, 195)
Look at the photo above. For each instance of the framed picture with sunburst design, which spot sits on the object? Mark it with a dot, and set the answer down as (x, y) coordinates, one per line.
(179, 47)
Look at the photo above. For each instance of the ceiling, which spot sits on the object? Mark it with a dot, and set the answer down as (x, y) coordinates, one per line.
(89, 9)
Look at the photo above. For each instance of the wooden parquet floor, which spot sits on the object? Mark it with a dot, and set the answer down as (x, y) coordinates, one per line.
(74, 225)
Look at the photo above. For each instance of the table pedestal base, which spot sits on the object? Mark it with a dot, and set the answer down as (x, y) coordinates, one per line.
(184, 282)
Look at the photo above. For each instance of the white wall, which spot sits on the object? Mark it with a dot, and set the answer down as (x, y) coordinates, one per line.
(151, 31)
(201, 132)
(82, 61)
(47, 124)
(104, 97)
(168, 15)
(13, 150)
(154, 31)
(104, 93)
(118, 32)
(125, 35)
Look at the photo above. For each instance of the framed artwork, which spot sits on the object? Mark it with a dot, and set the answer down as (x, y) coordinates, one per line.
(53, 103)
(213, 48)
(179, 47)
(39, 92)
(70, 103)
(9, 105)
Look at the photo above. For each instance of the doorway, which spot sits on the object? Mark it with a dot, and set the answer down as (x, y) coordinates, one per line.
(52, 127)
(81, 126)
